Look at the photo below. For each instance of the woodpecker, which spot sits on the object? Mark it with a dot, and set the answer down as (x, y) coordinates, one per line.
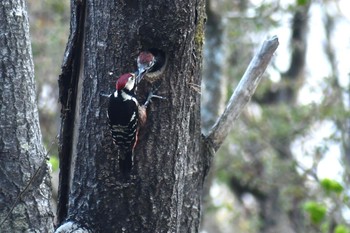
(125, 115)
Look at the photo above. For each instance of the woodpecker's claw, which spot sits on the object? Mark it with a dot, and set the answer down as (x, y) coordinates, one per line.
(104, 94)
(150, 96)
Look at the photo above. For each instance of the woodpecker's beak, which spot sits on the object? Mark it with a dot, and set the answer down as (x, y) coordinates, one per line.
(140, 74)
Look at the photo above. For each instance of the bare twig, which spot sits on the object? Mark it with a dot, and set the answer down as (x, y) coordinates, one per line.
(30, 182)
(243, 93)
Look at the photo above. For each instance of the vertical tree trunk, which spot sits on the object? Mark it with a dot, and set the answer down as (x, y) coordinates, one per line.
(24, 178)
(214, 80)
(164, 192)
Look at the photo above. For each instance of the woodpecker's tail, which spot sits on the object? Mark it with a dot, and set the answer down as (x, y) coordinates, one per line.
(126, 162)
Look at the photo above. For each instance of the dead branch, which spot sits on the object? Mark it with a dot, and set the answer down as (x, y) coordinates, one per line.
(242, 93)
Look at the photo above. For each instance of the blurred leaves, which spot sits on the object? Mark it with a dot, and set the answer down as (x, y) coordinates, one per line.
(316, 211)
(302, 2)
(54, 163)
(331, 186)
(342, 229)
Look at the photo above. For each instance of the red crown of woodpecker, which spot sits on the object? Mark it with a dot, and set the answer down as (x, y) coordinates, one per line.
(123, 80)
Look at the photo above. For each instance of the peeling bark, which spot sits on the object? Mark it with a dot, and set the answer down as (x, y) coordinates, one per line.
(68, 88)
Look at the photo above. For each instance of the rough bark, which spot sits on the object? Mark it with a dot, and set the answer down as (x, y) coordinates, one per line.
(164, 192)
(24, 178)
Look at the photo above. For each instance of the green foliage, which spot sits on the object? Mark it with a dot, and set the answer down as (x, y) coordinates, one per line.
(54, 163)
(316, 211)
(302, 2)
(341, 229)
(59, 7)
(285, 122)
(331, 186)
(324, 228)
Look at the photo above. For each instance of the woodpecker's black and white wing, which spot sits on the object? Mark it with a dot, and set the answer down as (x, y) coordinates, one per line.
(123, 121)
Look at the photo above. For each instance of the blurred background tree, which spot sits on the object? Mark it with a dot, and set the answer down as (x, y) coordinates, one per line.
(285, 166)
(49, 28)
(49, 24)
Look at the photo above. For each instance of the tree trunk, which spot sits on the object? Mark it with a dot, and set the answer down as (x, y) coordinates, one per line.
(164, 191)
(24, 179)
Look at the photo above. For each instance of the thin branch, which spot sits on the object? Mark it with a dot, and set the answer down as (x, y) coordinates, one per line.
(32, 180)
(243, 93)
